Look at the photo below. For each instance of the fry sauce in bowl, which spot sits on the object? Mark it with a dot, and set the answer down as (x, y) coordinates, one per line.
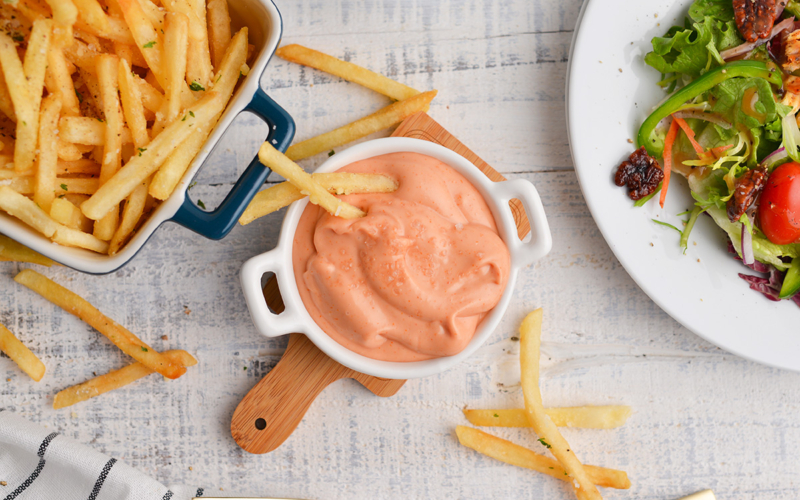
(414, 278)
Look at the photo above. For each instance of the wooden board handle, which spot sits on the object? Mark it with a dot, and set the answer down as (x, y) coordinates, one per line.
(275, 406)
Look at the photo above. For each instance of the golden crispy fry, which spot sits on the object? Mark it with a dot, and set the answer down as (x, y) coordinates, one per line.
(114, 380)
(153, 13)
(83, 166)
(24, 185)
(43, 192)
(6, 104)
(146, 38)
(170, 174)
(64, 212)
(76, 238)
(59, 82)
(510, 453)
(530, 340)
(122, 338)
(131, 97)
(196, 26)
(81, 55)
(10, 250)
(35, 63)
(347, 71)
(131, 214)
(198, 64)
(20, 91)
(219, 30)
(176, 43)
(107, 71)
(586, 417)
(140, 168)
(68, 151)
(317, 194)
(64, 11)
(383, 119)
(88, 131)
(284, 194)
(91, 13)
(27, 211)
(21, 355)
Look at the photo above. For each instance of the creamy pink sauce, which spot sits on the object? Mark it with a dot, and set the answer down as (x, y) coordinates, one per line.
(414, 278)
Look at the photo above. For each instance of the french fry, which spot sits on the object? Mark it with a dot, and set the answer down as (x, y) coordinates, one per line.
(43, 192)
(114, 380)
(131, 214)
(170, 174)
(6, 104)
(64, 212)
(64, 11)
(92, 14)
(530, 341)
(131, 97)
(198, 64)
(346, 71)
(196, 26)
(585, 417)
(35, 63)
(79, 167)
(27, 120)
(59, 82)
(284, 194)
(153, 13)
(219, 30)
(139, 168)
(27, 211)
(10, 250)
(510, 453)
(317, 194)
(88, 131)
(176, 43)
(122, 338)
(25, 185)
(152, 99)
(107, 72)
(69, 237)
(21, 355)
(382, 119)
(81, 55)
(146, 38)
(68, 151)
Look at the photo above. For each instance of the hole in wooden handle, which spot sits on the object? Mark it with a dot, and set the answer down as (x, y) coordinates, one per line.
(261, 424)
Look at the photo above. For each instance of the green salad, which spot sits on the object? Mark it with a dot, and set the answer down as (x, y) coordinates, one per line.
(729, 125)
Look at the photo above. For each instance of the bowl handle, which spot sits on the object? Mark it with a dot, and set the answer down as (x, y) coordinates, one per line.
(267, 322)
(217, 224)
(524, 253)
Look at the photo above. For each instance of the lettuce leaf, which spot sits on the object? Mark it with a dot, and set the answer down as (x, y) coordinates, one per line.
(729, 95)
(693, 50)
(721, 10)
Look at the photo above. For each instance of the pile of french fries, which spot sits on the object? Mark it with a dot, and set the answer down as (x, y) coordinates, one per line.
(103, 106)
(321, 187)
(566, 466)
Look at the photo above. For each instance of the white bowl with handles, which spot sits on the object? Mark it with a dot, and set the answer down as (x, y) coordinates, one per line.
(295, 318)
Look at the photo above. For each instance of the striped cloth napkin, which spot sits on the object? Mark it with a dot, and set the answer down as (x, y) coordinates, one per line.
(39, 464)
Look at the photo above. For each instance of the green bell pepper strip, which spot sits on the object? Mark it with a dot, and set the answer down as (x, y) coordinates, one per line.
(749, 69)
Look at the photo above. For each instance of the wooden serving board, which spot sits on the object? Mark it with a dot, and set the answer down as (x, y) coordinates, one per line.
(273, 409)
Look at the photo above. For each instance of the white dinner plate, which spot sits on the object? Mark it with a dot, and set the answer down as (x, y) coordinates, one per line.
(610, 91)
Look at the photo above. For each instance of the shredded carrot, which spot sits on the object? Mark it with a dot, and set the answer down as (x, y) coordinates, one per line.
(718, 151)
(690, 134)
(670, 140)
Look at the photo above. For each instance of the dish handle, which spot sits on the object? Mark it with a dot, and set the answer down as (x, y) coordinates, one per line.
(525, 253)
(217, 224)
(267, 322)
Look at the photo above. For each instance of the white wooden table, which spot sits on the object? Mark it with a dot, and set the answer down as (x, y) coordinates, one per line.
(702, 418)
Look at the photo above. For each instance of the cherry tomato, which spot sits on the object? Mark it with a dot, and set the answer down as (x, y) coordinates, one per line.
(779, 209)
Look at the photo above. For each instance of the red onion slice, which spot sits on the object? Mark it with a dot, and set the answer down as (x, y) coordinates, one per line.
(774, 157)
(702, 115)
(747, 247)
(744, 48)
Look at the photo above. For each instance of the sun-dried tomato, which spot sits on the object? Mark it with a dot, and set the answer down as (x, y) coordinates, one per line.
(641, 172)
(754, 18)
(745, 192)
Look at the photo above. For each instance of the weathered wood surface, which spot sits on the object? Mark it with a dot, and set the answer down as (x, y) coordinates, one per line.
(703, 418)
